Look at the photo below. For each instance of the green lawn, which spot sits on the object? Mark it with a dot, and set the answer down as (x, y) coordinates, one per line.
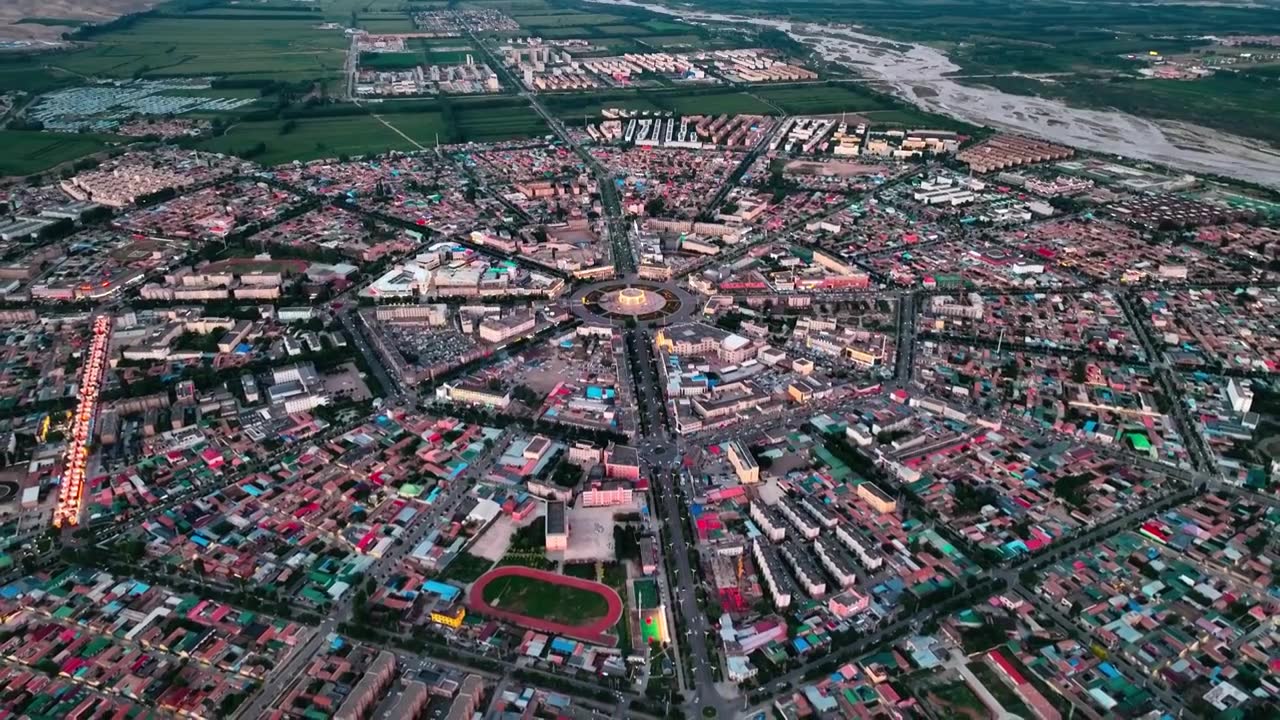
(314, 138)
(547, 601)
(27, 152)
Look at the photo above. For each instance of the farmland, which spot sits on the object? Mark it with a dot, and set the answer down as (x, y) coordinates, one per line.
(274, 142)
(32, 152)
(209, 45)
(329, 133)
(818, 99)
(487, 124)
(29, 74)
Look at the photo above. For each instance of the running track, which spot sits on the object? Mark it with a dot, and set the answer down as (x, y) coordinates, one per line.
(596, 632)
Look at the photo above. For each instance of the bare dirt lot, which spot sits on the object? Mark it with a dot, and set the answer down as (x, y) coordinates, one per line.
(12, 11)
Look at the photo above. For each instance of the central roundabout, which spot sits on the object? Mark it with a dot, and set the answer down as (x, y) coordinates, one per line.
(638, 300)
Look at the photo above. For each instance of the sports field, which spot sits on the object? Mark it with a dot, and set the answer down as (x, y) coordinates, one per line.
(548, 602)
(539, 599)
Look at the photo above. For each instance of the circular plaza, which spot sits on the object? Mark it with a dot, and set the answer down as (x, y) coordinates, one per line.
(640, 301)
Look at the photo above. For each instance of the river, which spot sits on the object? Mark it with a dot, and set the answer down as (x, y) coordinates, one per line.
(919, 74)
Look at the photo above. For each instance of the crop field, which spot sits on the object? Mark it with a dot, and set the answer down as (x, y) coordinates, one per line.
(32, 152)
(820, 99)
(590, 107)
(566, 19)
(451, 57)
(667, 41)
(385, 23)
(390, 60)
(912, 119)
(193, 46)
(719, 104)
(488, 124)
(30, 75)
(311, 138)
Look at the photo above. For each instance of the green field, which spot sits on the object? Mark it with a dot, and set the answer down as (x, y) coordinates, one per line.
(489, 124)
(912, 119)
(591, 107)
(566, 19)
(216, 92)
(720, 104)
(820, 99)
(160, 46)
(546, 601)
(29, 74)
(314, 138)
(391, 60)
(565, 32)
(386, 24)
(1238, 105)
(621, 30)
(675, 40)
(26, 153)
(662, 26)
(451, 57)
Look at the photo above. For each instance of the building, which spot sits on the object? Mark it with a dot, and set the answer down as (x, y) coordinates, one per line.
(364, 696)
(848, 603)
(806, 390)
(768, 520)
(877, 498)
(1241, 396)
(744, 464)
(501, 329)
(648, 555)
(474, 394)
(415, 699)
(801, 521)
(607, 494)
(450, 616)
(781, 587)
(703, 340)
(557, 528)
(621, 462)
(467, 702)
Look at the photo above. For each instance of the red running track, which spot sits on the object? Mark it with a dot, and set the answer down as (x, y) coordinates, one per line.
(596, 632)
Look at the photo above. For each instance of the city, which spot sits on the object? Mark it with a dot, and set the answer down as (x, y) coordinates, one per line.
(583, 360)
